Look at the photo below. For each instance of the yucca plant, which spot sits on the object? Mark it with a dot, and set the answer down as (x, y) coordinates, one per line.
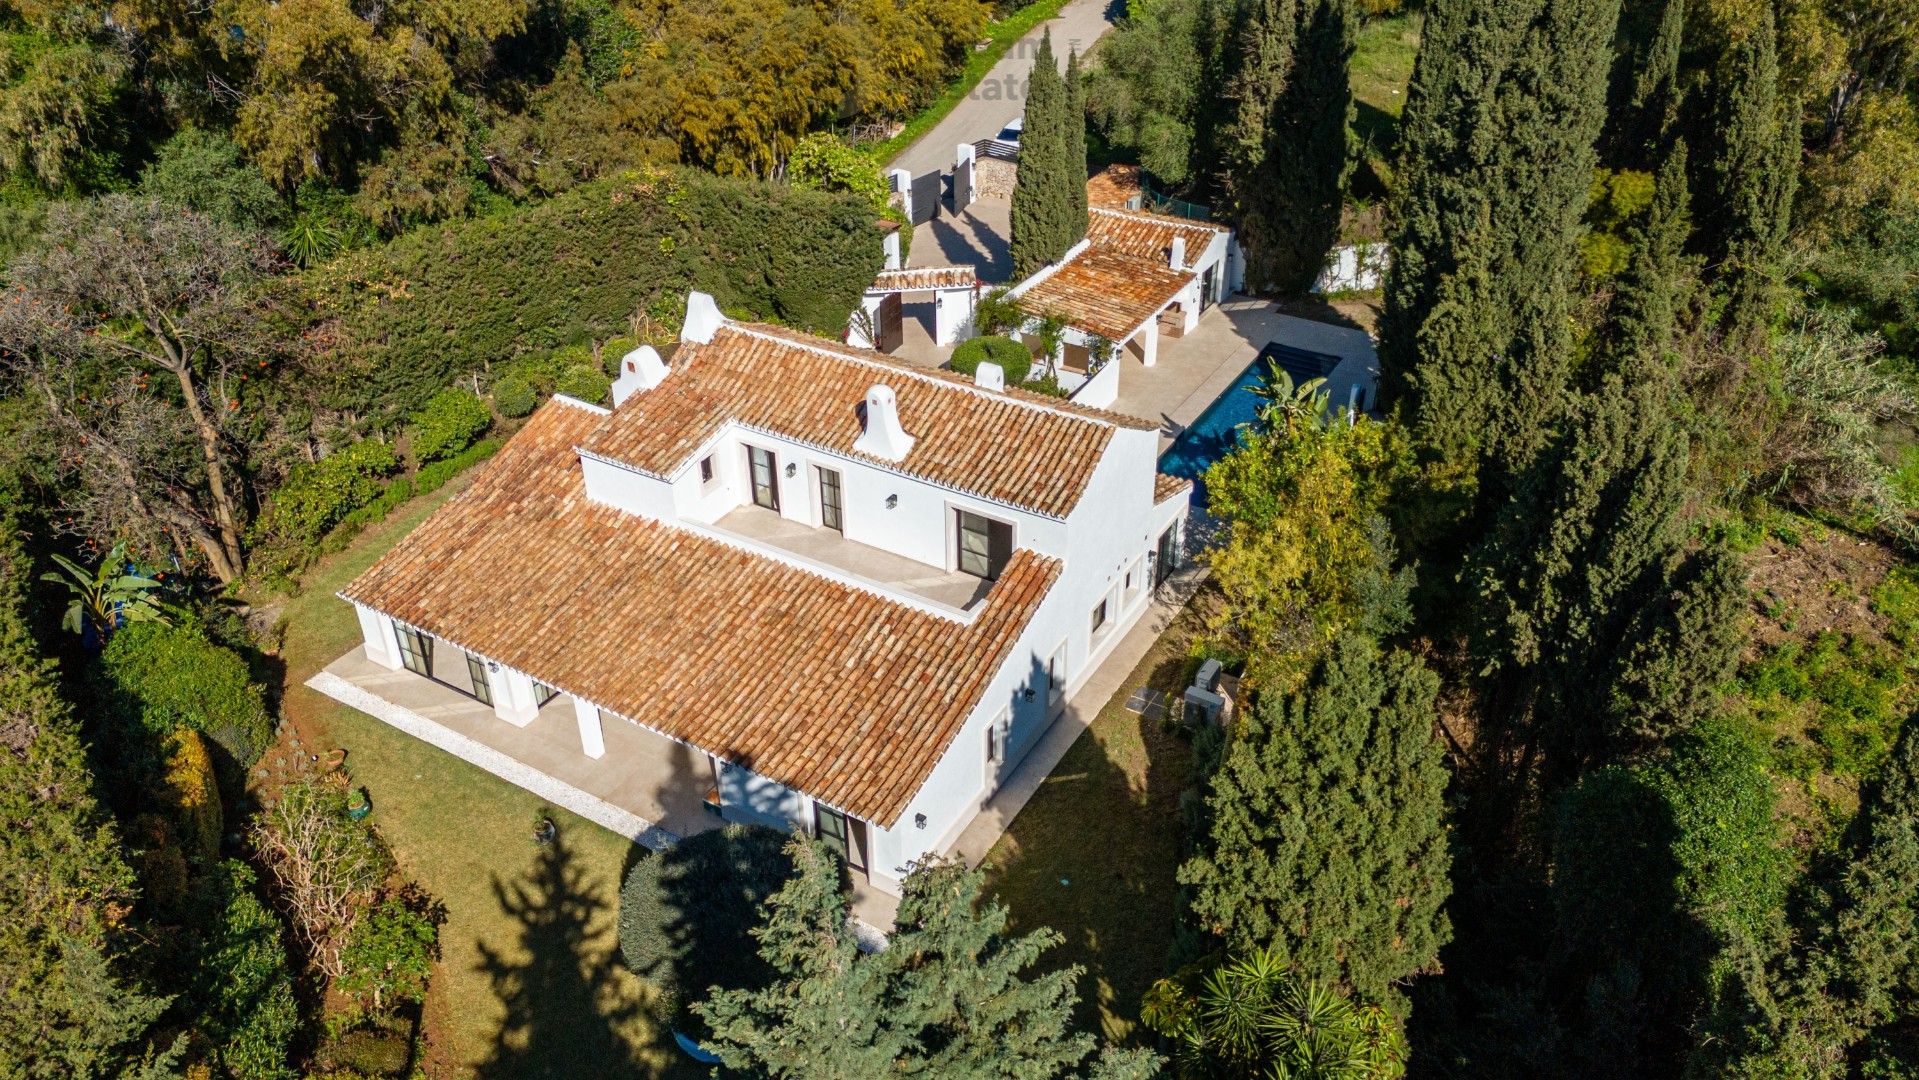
(106, 595)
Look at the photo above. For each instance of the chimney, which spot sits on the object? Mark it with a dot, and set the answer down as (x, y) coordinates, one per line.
(641, 369)
(703, 318)
(989, 376)
(1179, 253)
(883, 437)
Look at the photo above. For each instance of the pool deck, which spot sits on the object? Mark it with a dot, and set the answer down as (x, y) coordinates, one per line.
(1195, 369)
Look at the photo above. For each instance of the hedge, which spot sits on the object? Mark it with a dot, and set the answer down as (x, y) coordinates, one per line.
(168, 677)
(448, 424)
(583, 384)
(686, 913)
(438, 303)
(1014, 358)
(515, 396)
(192, 797)
(318, 494)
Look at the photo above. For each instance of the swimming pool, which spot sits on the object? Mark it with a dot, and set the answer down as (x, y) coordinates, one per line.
(1215, 433)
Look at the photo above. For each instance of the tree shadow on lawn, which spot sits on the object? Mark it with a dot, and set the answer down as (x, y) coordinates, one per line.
(569, 1011)
(1095, 852)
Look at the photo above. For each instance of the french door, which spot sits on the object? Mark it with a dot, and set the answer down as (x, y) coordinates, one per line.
(764, 471)
(416, 650)
(845, 835)
(984, 545)
(830, 513)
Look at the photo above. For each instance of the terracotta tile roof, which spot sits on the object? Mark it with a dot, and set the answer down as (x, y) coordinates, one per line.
(925, 277)
(1114, 186)
(1147, 236)
(1106, 292)
(842, 694)
(1165, 487)
(1021, 449)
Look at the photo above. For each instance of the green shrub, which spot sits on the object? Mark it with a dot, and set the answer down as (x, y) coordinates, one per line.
(1012, 357)
(192, 796)
(238, 978)
(1047, 384)
(434, 476)
(612, 351)
(686, 913)
(317, 495)
(572, 356)
(515, 396)
(388, 956)
(169, 677)
(437, 303)
(448, 424)
(583, 384)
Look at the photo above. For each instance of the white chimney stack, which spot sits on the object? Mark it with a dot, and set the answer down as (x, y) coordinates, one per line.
(884, 437)
(989, 376)
(703, 318)
(641, 369)
(1179, 253)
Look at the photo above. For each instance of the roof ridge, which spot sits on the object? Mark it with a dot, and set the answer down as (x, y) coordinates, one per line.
(953, 382)
(1164, 219)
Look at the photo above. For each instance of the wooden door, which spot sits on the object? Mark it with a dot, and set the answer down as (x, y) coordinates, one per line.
(889, 323)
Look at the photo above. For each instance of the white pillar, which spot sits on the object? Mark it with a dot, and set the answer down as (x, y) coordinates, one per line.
(902, 181)
(513, 699)
(891, 245)
(382, 644)
(592, 739)
(1149, 344)
(871, 305)
(1189, 308)
(952, 316)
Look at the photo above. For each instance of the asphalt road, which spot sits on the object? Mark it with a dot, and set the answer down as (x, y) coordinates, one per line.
(1001, 95)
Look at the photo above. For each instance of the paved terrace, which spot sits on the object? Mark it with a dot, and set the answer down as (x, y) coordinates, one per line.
(949, 587)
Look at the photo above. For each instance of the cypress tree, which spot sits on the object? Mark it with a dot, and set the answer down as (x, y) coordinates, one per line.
(1288, 181)
(1497, 155)
(1751, 182)
(1643, 114)
(953, 995)
(1878, 924)
(64, 888)
(1075, 223)
(1042, 195)
(1328, 839)
(1646, 301)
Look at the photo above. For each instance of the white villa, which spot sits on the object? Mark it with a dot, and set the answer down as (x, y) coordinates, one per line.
(1135, 277)
(837, 592)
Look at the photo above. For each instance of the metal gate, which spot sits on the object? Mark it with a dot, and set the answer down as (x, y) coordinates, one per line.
(927, 190)
(889, 323)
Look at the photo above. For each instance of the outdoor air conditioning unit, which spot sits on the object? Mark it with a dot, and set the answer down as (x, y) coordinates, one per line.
(1204, 705)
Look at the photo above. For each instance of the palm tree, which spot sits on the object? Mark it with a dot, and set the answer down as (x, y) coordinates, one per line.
(1255, 1017)
(106, 596)
(1286, 405)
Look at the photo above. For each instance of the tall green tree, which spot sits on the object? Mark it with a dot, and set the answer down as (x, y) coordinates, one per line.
(1648, 296)
(1289, 159)
(953, 994)
(1877, 923)
(1159, 89)
(1750, 182)
(1075, 149)
(1647, 90)
(1496, 160)
(1042, 202)
(71, 1008)
(1328, 843)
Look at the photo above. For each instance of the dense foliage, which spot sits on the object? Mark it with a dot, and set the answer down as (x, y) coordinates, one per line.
(952, 994)
(1013, 357)
(1048, 209)
(167, 677)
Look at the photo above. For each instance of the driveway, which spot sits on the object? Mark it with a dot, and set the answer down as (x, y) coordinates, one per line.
(1001, 95)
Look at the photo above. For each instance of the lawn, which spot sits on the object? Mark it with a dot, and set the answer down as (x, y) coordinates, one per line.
(529, 982)
(1093, 855)
(1381, 69)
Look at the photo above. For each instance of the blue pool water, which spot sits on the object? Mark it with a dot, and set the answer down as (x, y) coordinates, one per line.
(1215, 433)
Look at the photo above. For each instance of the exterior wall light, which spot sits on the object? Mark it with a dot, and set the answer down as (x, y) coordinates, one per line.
(892, 501)
(792, 470)
(1027, 693)
(919, 821)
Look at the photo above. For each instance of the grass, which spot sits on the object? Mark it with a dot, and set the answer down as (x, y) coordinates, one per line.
(529, 981)
(1003, 35)
(1381, 69)
(1094, 854)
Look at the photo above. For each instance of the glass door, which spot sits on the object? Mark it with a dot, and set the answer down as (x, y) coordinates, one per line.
(482, 684)
(416, 650)
(830, 515)
(765, 475)
(984, 545)
(1166, 556)
(846, 836)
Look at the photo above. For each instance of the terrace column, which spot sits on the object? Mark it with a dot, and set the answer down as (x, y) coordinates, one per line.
(382, 645)
(513, 697)
(592, 739)
(1149, 343)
